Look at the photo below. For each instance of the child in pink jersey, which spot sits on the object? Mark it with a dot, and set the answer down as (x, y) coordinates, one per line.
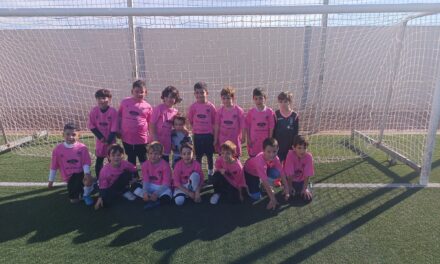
(115, 177)
(162, 119)
(265, 168)
(260, 122)
(72, 158)
(229, 121)
(134, 116)
(201, 116)
(299, 167)
(156, 177)
(228, 179)
(187, 176)
(103, 122)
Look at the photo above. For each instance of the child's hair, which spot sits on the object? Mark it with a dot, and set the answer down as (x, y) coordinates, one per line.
(258, 92)
(114, 148)
(201, 85)
(103, 93)
(228, 91)
(229, 146)
(179, 118)
(155, 146)
(188, 146)
(70, 126)
(285, 96)
(139, 84)
(300, 141)
(171, 90)
(271, 142)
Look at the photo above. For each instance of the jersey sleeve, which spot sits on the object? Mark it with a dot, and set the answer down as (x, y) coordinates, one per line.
(144, 171)
(115, 121)
(241, 120)
(155, 115)
(191, 114)
(271, 119)
(54, 160)
(86, 157)
(309, 169)
(218, 164)
(213, 114)
(176, 172)
(167, 175)
(241, 182)
(289, 169)
(91, 124)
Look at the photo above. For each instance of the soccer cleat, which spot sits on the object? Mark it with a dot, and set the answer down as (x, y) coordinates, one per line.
(151, 205)
(88, 200)
(214, 198)
(129, 196)
(255, 196)
(139, 192)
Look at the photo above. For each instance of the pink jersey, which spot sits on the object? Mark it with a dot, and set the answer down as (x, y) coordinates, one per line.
(70, 160)
(182, 171)
(110, 174)
(163, 119)
(158, 173)
(233, 172)
(230, 122)
(105, 122)
(257, 166)
(135, 117)
(202, 117)
(259, 124)
(299, 168)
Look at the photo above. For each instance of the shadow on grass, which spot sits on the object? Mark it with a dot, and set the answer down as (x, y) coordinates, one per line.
(50, 216)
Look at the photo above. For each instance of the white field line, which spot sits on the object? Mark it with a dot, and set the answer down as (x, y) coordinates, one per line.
(317, 185)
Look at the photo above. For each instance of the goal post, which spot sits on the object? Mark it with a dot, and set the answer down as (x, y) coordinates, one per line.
(372, 69)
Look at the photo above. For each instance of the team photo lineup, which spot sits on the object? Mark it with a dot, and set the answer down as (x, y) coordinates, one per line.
(170, 153)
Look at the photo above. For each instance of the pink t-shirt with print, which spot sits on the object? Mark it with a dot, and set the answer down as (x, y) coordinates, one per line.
(163, 119)
(259, 123)
(257, 166)
(299, 168)
(230, 122)
(70, 160)
(105, 122)
(233, 172)
(110, 174)
(202, 117)
(134, 117)
(182, 171)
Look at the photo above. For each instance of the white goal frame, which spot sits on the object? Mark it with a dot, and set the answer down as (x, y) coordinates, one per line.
(130, 12)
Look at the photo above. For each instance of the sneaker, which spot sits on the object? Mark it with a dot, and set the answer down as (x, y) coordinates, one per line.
(255, 196)
(139, 192)
(88, 200)
(129, 196)
(214, 198)
(151, 205)
(277, 183)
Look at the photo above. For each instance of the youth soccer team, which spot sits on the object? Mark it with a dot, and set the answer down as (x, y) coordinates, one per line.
(170, 154)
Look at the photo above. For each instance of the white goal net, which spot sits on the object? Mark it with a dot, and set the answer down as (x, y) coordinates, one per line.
(372, 73)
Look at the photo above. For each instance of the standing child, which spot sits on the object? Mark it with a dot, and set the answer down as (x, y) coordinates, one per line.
(286, 127)
(201, 116)
(187, 177)
(265, 168)
(298, 168)
(72, 158)
(229, 121)
(115, 177)
(156, 177)
(103, 122)
(228, 179)
(179, 136)
(134, 115)
(162, 118)
(260, 122)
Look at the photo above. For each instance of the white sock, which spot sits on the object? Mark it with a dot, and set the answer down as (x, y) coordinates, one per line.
(210, 172)
(88, 190)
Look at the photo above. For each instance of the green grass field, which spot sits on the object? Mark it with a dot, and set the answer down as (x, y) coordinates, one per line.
(38, 225)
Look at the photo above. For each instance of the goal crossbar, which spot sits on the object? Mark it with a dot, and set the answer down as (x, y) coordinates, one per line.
(221, 11)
